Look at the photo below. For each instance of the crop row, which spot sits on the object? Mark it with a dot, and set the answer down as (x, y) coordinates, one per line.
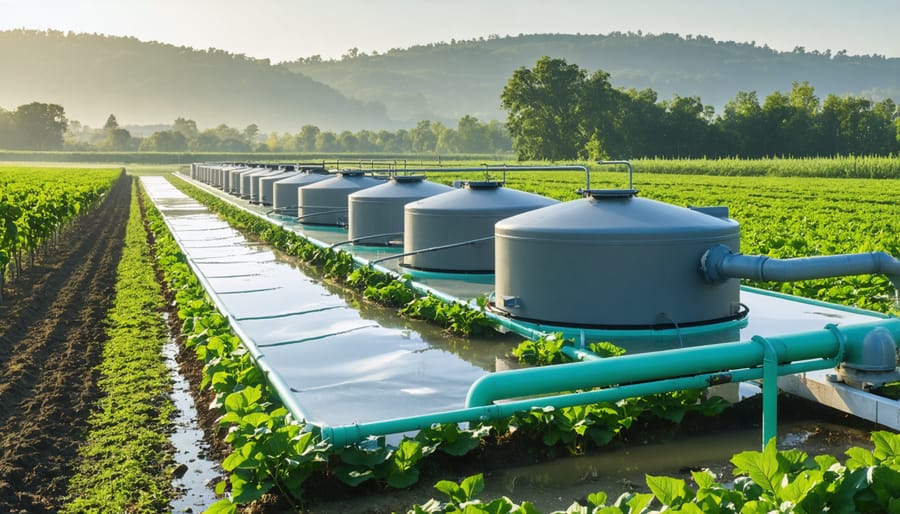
(36, 202)
(824, 167)
(125, 449)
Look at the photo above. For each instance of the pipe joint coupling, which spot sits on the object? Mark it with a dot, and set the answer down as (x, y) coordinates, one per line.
(711, 263)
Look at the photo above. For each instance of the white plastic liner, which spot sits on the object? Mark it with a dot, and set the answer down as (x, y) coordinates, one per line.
(340, 366)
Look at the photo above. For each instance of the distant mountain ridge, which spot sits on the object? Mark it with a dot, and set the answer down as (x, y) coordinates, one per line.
(92, 76)
(149, 83)
(449, 80)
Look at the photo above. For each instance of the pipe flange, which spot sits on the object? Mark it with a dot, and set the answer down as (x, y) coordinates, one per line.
(866, 380)
(711, 261)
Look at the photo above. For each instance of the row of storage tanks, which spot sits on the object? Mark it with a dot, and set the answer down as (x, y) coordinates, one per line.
(610, 259)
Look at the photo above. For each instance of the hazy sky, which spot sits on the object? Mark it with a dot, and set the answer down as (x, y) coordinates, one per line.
(287, 29)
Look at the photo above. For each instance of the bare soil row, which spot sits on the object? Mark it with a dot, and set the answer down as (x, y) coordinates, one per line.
(51, 338)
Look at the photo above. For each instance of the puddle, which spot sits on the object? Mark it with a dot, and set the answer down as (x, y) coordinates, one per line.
(195, 485)
(554, 485)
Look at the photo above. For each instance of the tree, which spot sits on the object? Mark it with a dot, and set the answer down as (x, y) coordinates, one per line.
(599, 112)
(306, 139)
(39, 126)
(326, 142)
(742, 125)
(188, 128)
(117, 139)
(111, 123)
(472, 136)
(498, 136)
(367, 141)
(281, 143)
(801, 130)
(423, 137)
(777, 114)
(542, 109)
(642, 124)
(347, 142)
(686, 129)
(250, 132)
(226, 139)
(164, 141)
(446, 139)
(8, 133)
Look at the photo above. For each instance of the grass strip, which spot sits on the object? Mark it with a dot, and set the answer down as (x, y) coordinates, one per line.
(126, 461)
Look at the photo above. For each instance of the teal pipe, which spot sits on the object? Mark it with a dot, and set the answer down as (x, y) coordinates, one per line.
(770, 389)
(343, 435)
(578, 354)
(819, 344)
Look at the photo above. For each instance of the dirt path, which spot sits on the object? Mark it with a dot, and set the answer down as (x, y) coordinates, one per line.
(51, 338)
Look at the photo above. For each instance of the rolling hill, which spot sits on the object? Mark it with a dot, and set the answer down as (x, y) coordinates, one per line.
(148, 82)
(445, 81)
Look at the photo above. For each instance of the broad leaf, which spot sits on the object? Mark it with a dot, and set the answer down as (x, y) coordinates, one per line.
(669, 491)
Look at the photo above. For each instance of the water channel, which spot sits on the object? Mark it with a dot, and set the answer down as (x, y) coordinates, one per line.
(346, 360)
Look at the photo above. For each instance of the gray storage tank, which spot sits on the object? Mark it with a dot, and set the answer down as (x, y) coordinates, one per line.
(613, 260)
(233, 178)
(284, 192)
(256, 182)
(378, 210)
(325, 202)
(247, 181)
(236, 180)
(267, 184)
(463, 215)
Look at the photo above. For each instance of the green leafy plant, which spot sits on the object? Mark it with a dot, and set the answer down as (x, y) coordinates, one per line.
(543, 351)
(767, 481)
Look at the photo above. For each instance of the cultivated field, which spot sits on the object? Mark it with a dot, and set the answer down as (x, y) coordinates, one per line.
(54, 310)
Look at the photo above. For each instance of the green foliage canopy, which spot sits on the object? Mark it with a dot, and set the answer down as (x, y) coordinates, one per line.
(555, 111)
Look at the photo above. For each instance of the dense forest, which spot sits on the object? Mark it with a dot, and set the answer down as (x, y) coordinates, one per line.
(448, 80)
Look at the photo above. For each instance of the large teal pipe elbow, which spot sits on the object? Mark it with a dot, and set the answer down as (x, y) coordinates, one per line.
(818, 344)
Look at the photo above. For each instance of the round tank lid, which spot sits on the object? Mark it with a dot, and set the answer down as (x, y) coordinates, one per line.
(483, 184)
(408, 178)
(608, 193)
(351, 173)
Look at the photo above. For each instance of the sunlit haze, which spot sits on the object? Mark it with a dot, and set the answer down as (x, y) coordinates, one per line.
(283, 30)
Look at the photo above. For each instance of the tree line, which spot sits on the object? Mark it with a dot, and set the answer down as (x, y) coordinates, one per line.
(39, 126)
(555, 111)
(558, 111)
